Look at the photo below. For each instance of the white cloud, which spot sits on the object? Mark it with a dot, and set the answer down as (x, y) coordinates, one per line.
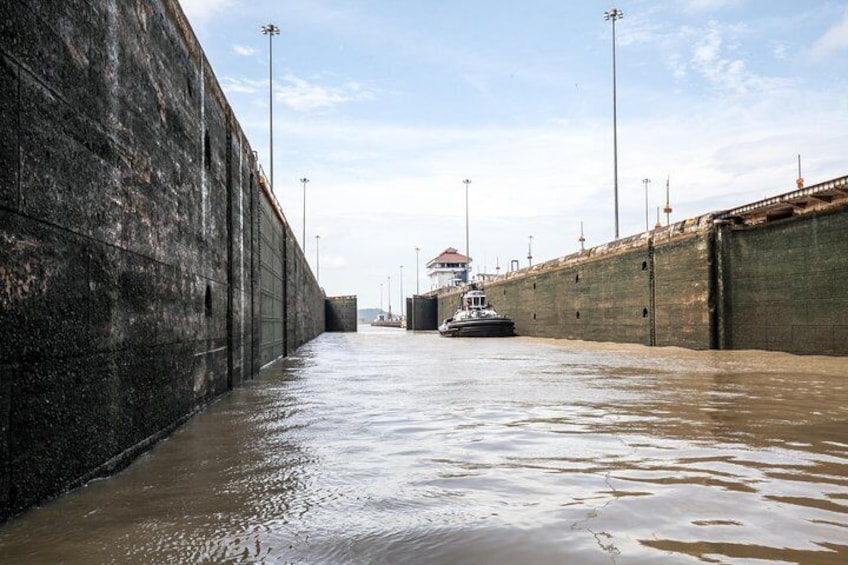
(725, 72)
(243, 50)
(834, 39)
(242, 86)
(780, 49)
(199, 11)
(301, 95)
(706, 5)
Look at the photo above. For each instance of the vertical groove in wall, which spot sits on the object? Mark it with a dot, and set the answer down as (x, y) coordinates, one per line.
(18, 150)
(652, 293)
(242, 285)
(285, 273)
(6, 497)
(718, 280)
(255, 250)
(712, 289)
(228, 176)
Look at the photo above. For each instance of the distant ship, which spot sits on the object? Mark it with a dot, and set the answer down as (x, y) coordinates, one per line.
(382, 321)
(477, 318)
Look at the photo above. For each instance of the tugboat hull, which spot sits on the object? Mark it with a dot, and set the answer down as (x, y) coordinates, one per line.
(491, 327)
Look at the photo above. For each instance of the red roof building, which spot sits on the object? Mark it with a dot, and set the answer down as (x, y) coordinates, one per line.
(449, 268)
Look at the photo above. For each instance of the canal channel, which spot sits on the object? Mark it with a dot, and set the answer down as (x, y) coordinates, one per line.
(386, 446)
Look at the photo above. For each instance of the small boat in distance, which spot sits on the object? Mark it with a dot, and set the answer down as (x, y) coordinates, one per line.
(384, 322)
(477, 318)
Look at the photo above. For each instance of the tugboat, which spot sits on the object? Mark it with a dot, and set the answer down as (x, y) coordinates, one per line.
(477, 318)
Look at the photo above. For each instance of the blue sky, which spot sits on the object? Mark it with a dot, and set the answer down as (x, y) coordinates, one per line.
(386, 106)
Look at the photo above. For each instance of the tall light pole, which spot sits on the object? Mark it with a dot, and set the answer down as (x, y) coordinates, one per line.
(401, 292)
(417, 249)
(389, 296)
(614, 14)
(304, 180)
(530, 250)
(317, 263)
(271, 30)
(466, 182)
(646, 181)
(381, 298)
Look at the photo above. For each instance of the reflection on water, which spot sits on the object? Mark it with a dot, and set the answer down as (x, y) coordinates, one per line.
(391, 447)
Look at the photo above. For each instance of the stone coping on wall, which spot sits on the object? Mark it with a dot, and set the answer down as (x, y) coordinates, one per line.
(824, 196)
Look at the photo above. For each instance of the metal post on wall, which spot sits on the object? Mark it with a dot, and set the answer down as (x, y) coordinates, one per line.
(667, 208)
(582, 238)
(466, 182)
(417, 278)
(417, 249)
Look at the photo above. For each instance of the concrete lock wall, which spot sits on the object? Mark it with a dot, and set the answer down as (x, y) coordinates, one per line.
(130, 256)
(700, 284)
(422, 313)
(651, 291)
(785, 287)
(341, 314)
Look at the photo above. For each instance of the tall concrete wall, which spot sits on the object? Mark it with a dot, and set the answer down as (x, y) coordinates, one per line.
(748, 283)
(341, 314)
(130, 254)
(652, 291)
(683, 271)
(305, 316)
(786, 284)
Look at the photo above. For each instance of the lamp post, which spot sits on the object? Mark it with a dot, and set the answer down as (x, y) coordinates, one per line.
(304, 180)
(417, 249)
(389, 296)
(466, 182)
(271, 30)
(530, 250)
(317, 263)
(401, 292)
(614, 14)
(646, 181)
(417, 278)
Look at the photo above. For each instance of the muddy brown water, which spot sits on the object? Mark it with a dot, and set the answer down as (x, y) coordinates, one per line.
(386, 446)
